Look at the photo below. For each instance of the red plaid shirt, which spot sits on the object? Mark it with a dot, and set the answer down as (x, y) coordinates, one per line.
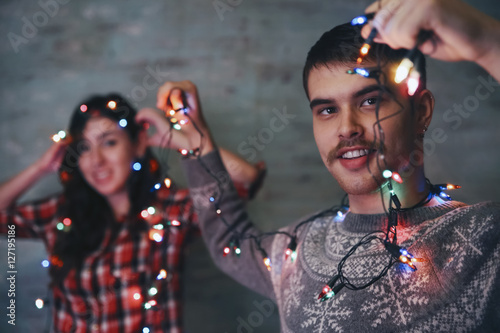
(111, 292)
(117, 289)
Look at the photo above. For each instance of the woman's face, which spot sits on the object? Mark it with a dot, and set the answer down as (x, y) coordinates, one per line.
(106, 156)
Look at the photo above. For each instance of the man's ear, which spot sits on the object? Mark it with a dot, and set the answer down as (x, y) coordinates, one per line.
(142, 143)
(424, 107)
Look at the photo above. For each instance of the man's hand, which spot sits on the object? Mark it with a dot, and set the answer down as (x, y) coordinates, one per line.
(460, 32)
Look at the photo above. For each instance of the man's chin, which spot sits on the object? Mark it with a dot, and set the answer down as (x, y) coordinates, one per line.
(360, 185)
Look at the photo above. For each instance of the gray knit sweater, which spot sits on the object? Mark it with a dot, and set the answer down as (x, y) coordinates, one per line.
(456, 289)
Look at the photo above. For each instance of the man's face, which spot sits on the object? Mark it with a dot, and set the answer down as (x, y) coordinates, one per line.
(344, 122)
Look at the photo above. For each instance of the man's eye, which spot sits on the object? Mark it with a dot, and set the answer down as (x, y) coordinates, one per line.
(327, 111)
(370, 101)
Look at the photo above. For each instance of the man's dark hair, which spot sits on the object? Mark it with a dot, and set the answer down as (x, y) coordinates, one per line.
(341, 45)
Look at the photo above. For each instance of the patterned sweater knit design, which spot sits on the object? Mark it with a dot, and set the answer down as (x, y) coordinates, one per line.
(456, 288)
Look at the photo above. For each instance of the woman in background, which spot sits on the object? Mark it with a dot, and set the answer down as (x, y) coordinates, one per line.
(116, 233)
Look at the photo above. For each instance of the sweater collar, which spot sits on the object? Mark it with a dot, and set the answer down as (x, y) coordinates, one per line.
(371, 222)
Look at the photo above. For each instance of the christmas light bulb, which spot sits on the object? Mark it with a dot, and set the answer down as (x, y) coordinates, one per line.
(45, 263)
(403, 70)
(291, 249)
(397, 177)
(445, 196)
(172, 112)
(144, 214)
(407, 258)
(387, 174)
(226, 251)
(365, 49)
(157, 186)
(174, 223)
(177, 127)
(362, 71)
(39, 303)
(123, 123)
(328, 287)
(60, 226)
(267, 263)
(162, 275)
(137, 296)
(325, 291)
(413, 82)
(158, 226)
(83, 108)
(137, 166)
(56, 138)
(152, 291)
(444, 187)
(151, 210)
(67, 221)
(168, 182)
(112, 105)
(360, 20)
(236, 247)
(333, 291)
(156, 235)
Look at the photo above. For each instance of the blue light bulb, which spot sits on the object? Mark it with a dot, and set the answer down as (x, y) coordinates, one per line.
(359, 20)
(137, 166)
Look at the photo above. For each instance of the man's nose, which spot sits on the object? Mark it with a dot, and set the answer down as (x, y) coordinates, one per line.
(350, 127)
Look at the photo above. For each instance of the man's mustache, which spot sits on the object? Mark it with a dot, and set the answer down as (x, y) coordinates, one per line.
(332, 155)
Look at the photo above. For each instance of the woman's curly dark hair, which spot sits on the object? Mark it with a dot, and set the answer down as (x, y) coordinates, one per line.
(91, 216)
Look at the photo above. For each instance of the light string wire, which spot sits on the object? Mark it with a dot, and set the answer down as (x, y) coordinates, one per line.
(390, 211)
(330, 290)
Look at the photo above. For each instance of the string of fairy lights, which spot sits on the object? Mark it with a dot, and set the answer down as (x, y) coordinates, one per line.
(407, 72)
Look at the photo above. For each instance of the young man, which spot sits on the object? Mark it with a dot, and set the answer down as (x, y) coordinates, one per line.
(362, 127)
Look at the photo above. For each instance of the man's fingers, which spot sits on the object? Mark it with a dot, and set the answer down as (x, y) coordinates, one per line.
(385, 14)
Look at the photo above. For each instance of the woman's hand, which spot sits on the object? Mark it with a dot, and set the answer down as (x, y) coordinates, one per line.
(51, 160)
(163, 134)
(178, 100)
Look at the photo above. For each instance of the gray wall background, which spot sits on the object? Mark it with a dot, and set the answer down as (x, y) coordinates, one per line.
(247, 61)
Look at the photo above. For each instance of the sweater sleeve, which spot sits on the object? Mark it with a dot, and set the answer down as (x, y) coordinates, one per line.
(211, 189)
